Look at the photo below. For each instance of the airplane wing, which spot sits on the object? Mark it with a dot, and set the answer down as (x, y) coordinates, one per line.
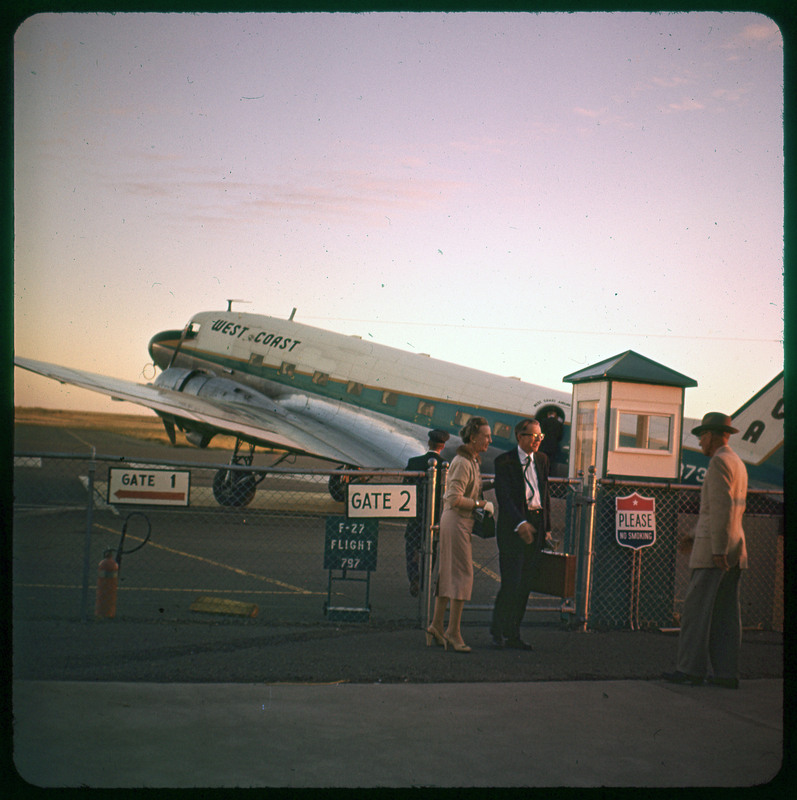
(271, 423)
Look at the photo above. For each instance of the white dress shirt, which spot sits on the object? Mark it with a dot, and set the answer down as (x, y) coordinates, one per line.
(530, 480)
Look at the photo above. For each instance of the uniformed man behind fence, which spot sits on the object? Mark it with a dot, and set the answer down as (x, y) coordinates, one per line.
(413, 536)
(711, 624)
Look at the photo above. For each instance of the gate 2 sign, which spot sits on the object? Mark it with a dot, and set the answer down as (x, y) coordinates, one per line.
(382, 500)
(635, 521)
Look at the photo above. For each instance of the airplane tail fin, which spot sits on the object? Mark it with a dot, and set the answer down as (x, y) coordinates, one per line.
(760, 424)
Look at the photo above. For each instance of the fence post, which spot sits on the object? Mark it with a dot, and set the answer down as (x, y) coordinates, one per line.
(586, 534)
(84, 603)
(429, 531)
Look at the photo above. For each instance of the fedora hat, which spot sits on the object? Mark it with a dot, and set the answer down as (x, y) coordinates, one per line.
(715, 421)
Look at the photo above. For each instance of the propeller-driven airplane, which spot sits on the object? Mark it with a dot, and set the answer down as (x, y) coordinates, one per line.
(287, 386)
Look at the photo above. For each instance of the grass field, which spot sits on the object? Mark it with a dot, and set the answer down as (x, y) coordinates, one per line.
(147, 427)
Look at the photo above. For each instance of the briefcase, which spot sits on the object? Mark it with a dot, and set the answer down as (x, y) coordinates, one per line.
(554, 573)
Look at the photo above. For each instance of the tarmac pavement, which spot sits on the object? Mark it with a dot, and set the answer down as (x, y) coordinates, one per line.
(122, 704)
(542, 734)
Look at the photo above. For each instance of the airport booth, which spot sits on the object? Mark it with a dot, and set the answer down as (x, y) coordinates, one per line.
(625, 445)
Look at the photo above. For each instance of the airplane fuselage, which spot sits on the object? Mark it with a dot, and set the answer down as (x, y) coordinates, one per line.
(403, 394)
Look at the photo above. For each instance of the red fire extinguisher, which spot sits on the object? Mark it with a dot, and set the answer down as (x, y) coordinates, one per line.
(107, 584)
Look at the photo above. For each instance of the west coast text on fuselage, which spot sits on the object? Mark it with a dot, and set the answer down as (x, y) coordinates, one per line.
(227, 328)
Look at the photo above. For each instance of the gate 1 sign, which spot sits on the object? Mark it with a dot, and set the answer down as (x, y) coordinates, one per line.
(350, 545)
(635, 518)
(153, 487)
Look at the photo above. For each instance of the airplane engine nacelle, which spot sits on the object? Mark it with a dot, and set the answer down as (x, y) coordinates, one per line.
(205, 384)
(211, 387)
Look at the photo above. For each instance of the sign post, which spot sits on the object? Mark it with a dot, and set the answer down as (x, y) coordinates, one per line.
(350, 542)
(635, 527)
(350, 546)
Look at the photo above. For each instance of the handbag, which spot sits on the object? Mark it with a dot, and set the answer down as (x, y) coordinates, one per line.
(483, 524)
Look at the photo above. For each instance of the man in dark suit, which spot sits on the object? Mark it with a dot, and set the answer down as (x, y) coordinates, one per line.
(524, 513)
(413, 536)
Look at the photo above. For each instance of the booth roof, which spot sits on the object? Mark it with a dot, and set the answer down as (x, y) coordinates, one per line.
(633, 368)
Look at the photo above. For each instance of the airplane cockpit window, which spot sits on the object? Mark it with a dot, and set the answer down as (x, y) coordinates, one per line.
(193, 330)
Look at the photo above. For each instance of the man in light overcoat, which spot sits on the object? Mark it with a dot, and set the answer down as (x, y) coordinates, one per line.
(711, 624)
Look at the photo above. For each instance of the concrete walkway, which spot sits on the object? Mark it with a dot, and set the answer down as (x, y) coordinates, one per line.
(574, 734)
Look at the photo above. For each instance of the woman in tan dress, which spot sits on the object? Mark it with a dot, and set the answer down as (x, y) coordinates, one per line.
(455, 562)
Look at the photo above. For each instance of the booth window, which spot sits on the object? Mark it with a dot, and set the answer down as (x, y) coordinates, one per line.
(642, 431)
(586, 435)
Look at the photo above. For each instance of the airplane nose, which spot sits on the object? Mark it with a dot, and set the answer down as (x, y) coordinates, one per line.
(161, 347)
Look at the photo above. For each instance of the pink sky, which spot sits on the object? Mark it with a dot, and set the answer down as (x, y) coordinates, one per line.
(522, 193)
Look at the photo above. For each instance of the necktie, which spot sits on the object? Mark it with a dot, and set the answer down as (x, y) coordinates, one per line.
(530, 493)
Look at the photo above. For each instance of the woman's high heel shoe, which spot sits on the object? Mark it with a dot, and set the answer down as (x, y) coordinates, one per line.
(458, 648)
(433, 635)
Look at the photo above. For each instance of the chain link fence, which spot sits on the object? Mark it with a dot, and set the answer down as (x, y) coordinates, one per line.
(645, 587)
(255, 544)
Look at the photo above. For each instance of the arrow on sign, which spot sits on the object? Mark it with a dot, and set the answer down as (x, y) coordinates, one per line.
(122, 494)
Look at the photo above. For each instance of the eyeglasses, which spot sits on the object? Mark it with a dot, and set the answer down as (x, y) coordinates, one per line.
(535, 437)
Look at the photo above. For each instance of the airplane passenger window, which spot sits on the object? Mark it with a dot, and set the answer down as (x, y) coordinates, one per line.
(288, 369)
(321, 378)
(389, 398)
(503, 430)
(461, 417)
(426, 409)
(354, 388)
(256, 360)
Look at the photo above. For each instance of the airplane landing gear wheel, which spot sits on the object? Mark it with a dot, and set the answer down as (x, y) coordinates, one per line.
(234, 489)
(338, 485)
